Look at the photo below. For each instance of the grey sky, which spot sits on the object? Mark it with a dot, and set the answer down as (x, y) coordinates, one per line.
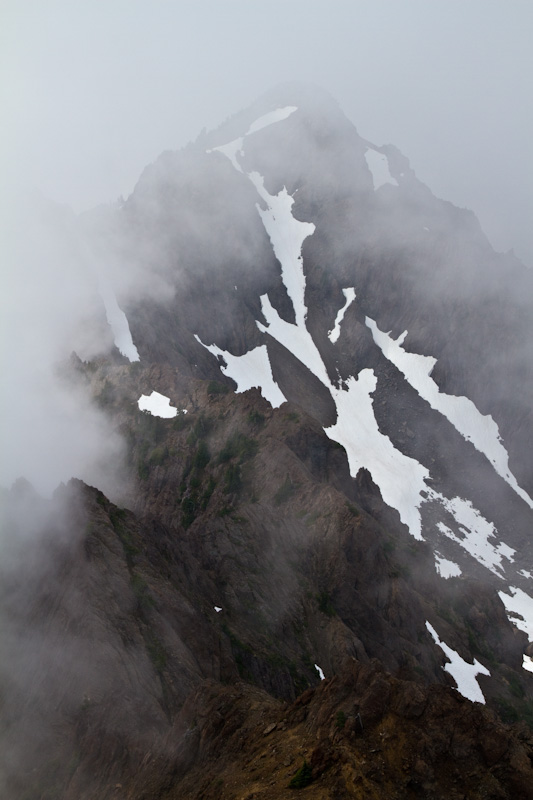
(94, 91)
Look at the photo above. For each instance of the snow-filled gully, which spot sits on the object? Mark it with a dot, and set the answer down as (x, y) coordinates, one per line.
(404, 482)
(475, 427)
(117, 320)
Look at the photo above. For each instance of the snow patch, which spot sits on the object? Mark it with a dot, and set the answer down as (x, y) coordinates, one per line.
(320, 673)
(158, 405)
(378, 164)
(527, 663)
(477, 428)
(217, 609)
(447, 568)
(334, 334)
(525, 573)
(476, 533)
(463, 673)
(118, 322)
(519, 607)
(251, 370)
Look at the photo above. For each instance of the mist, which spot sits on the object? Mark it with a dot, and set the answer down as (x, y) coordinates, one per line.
(91, 96)
(109, 208)
(50, 308)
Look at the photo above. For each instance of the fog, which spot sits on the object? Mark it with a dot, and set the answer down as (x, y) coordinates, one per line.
(51, 431)
(92, 93)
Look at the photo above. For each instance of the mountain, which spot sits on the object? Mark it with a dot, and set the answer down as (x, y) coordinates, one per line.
(318, 569)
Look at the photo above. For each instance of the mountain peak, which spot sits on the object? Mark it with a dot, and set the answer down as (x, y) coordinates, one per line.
(325, 525)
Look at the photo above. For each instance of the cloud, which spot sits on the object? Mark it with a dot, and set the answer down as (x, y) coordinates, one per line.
(50, 307)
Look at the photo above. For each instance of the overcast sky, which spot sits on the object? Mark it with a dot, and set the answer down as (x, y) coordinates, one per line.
(92, 91)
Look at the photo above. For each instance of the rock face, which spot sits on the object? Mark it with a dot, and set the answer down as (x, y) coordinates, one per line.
(171, 644)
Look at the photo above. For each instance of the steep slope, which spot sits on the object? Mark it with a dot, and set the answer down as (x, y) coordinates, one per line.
(310, 232)
(301, 510)
(242, 561)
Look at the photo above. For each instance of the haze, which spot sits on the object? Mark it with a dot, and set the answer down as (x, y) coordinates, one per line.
(92, 92)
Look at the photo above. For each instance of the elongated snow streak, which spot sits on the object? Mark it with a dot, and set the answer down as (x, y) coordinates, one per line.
(320, 673)
(463, 673)
(378, 164)
(295, 338)
(250, 370)
(334, 334)
(402, 480)
(270, 118)
(475, 427)
(287, 236)
(519, 606)
(157, 405)
(117, 320)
